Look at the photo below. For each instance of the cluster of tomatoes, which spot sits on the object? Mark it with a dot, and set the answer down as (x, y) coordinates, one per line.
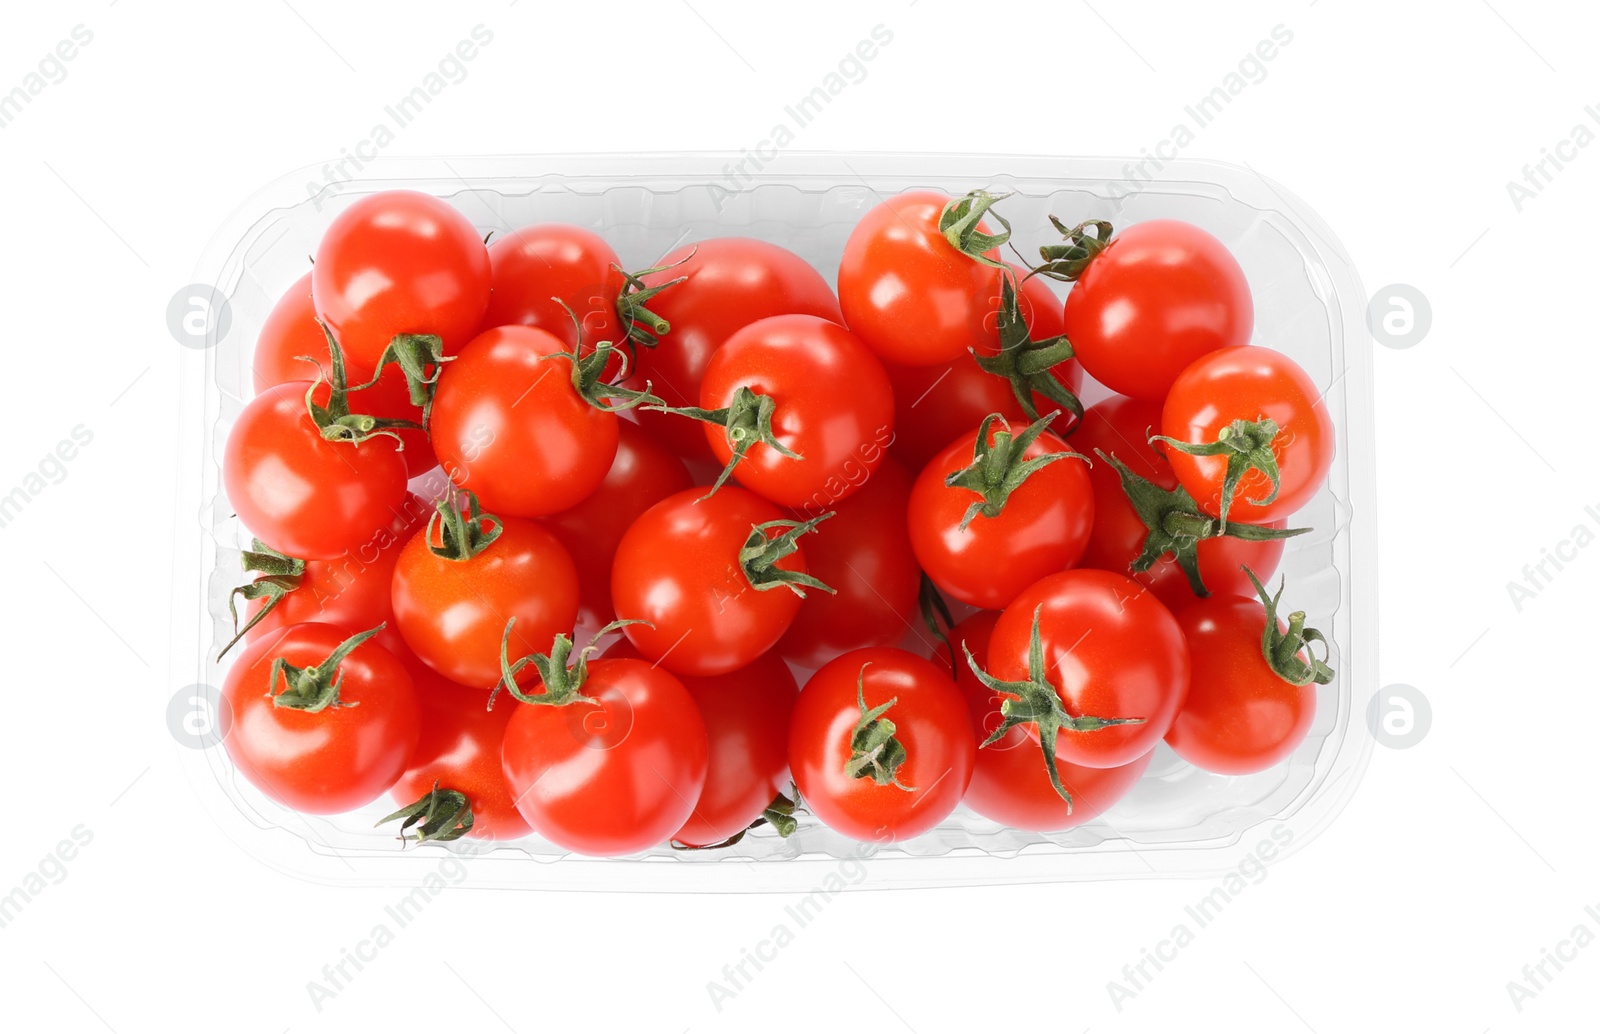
(748, 476)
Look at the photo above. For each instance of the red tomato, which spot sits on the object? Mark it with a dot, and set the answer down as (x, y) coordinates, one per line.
(536, 265)
(863, 553)
(1010, 784)
(891, 768)
(730, 282)
(509, 425)
(678, 569)
(833, 409)
(1256, 396)
(400, 262)
(1111, 651)
(1240, 715)
(1039, 527)
(1159, 296)
(292, 331)
(1119, 426)
(643, 473)
(452, 609)
(300, 493)
(614, 774)
(907, 292)
(459, 749)
(328, 760)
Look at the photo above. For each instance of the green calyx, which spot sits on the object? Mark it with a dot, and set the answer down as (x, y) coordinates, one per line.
(421, 358)
(997, 467)
(588, 379)
(440, 815)
(561, 673)
(315, 688)
(278, 576)
(335, 421)
(633, 303)
(1027, 363)
(759, 556)
(935, 610)
(745, 421)
(1174, 524)
(1282, 649)
(1034, 701)
(462, 534)
(875, 753)
(959, 222)
(1248, 446)
(1083, 242)
(779, 815)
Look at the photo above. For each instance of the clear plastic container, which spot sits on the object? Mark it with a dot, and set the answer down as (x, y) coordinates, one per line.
(1178, 821)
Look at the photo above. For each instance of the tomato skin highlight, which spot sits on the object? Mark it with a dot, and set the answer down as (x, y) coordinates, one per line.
(508, 425)
(453, 613)
(330, 761)
(732, 282)
(1111, 650)
(930, 721)
(834, 407)
(1247, 384)
(907, 292)
(1044, 527)
(1162, 294)
(534, 266)
(299, 493)
(677, 568)
(612, 777)
(400, 262)
(1240, 716)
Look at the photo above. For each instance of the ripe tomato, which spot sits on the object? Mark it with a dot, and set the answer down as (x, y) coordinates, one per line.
(299, 493)
(993, 513)
(832, 410)
(907, 292)
(728, 282)
(1264, 437)
(292, 331)
(461, 578)
(330, 731)
(1009, 783)
(1242, 715)
(533, 267)
(1120, 426)
(863, 553)
(746, 714)
(709, 612)
(1159, 296)
(459, 750)
(609, 759)
(509, 424)
(880, 745)
(1110, 651)
(400, 262)
(643, 473)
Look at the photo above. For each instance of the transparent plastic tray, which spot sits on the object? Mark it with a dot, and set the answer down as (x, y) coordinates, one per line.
(1178, 821)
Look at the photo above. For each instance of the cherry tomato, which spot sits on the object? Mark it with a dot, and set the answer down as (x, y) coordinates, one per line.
(1249, 384)
(459, 749)
(729, 282)
(1111, 651)
(400, 262)
(509, 425)
(1240, 716)
(328, 760)
(677, 567)
(643, 473)
(1119, 426)
(833, 409)
(1041, 527)
(893, 768)
(452, 609)
(862, 552)
(536, 265)
(292, 331)
(614, 774)
(1162, 294)
(907, 292)
(300, 493)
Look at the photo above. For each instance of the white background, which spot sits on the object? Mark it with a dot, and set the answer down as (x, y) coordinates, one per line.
(1458, 861)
